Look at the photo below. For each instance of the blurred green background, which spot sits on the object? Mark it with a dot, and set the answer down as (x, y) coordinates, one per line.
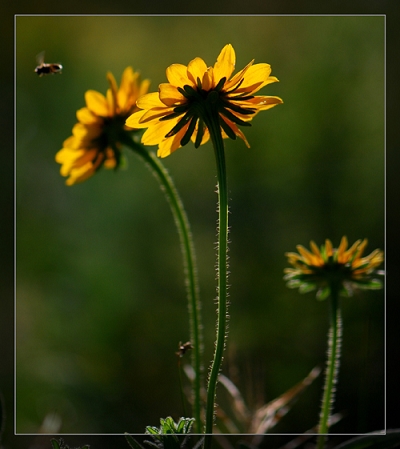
(100, 297)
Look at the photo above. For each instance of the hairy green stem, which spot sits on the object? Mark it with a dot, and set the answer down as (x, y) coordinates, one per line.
(222, 267)
(334, 343)
(194, 307)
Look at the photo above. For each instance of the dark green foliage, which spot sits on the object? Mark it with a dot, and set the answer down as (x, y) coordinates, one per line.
(168, 426)
(167, 436)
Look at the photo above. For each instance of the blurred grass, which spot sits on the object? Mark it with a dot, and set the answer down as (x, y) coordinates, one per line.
(101, 303)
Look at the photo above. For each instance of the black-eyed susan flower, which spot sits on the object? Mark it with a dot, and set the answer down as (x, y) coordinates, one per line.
(198, 100)
(344, 267)
(96, 138)
(334, 271)
(97, 141)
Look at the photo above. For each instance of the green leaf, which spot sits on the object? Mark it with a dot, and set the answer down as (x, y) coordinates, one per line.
(294, 283)
(168, 425)
(323, 293)
(184, 425)
(375, 284)
(305, 288)
(180, 428)
(55, 444)
(151, 430)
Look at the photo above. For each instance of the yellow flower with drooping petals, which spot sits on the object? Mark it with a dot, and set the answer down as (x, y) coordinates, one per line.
(345, 267)
(96, 138)
(198, 97)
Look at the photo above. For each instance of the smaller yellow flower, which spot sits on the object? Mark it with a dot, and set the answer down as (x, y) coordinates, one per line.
(198, 97)
(96, 138)
(323, 267)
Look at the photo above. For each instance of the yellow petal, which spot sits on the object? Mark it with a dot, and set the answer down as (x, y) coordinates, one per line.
(152, 116)
(196, 70)
(315, 249)
(171, 144)
(341, 251)
(258, 104)
(110, 163)
(240, 134)
(81, 174)
(177, 75)
(293, 256)
(144, 87)
(112, 102)
(128, 91)
(134, 121)
(352, 250)
(156, 133)
(86, 132)
(113, 84)
(87, 117)
(169, 95)
(225, 64)
(375, 258)
(235, 129)
(97, 103)
(207, 79)
(256, 75)
(263, 102)
(149, 101)
(127, 79)
(307, 256)
(328, 248)
(67, 155)
(71, 142)
(72, 159)
(361, 248)
(238, 77)
(86, 156)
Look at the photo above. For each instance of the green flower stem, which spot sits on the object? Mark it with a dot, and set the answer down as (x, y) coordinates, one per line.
(213, 125)
(334, 343)
(182, 224)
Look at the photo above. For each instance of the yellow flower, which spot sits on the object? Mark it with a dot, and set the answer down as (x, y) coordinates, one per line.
(96, 138)
(197, 97)
(323, 267)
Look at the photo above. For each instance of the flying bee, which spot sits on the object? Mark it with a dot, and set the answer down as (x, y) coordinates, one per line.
(46, 69)
(183, 348)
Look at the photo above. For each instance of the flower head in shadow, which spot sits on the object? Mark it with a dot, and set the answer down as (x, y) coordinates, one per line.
(327, 266)
(96, 138)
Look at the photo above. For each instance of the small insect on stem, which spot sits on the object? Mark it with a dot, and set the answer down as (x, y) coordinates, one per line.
(180, 353)
(45, 68)
(183, 348)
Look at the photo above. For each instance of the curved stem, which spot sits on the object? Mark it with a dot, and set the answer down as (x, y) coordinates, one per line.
(182, 224)
(334, 342)
(222, 267)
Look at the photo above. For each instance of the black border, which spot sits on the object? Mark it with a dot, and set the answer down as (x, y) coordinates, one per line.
(389, 8)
